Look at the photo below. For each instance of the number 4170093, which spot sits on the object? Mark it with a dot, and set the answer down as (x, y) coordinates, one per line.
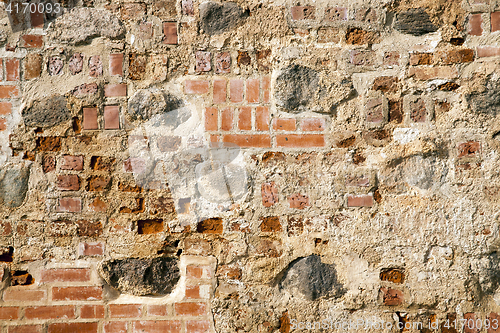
(26, 7)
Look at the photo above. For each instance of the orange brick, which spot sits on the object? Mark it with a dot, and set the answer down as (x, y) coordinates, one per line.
(245, 118)
(72, 328)
(236, 91)
(92, 311)
(197, 326)
(190, 309)
(220, 91)
(360, 200)
(124, 310)
(300, 140)
(50, 312)
(23, 295)
(211, 119)
(262, 118)
(242, 140)
(76, 293)
(192, 291)
(194, 272)
(9, 312)
(227, 119)
(116, 64)
(5, 108)
(252, 92)
(158, 310)
(32, 41)
(9, 92)
(284, 124)
(157, 326)
(116, 327)
(65, 275)
(196, 87)
(12, 69)
(312, 124)
(26, 329)
(266, 88)
(115, 90)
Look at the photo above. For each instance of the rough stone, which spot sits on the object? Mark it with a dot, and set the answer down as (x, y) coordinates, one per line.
(140, 277)
(217, 18)
(76, 63)
(55, 65)
(95, 66)
(415, 22)
(145, 104)
(47, 112)
(13, 186)
(81, 24)
(312, 278)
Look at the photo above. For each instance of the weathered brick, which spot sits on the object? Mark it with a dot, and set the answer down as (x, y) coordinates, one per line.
(187, 7)
(245, 118)
(190, 309)
(495, 21)
(284, 124)
(157, 326)
(312, 124)
(262, 118)
(421, 58)
(469, 149)
(471, 324)
(5, 108)
(374, 110)
(72, 162)
(475, 25)
(90, 121)
(111, 117)
(158, 310)
(329, 35)
(488, 51)
(192, 292)
(360, 200)
(73, 327)
(116, 327)
(270, 224)
(386, 84)
(197, 326)
(115, 90)
(137, 66)
(12, 69)
(32, 41)
(236, 91)
(358, 36)
(393, 275)
(125, 310)
(92, 311)
(210, 226)
(70, 205)
(303, 13)
(336, 14)
(418, 110)
(50, 312)
(48, 163)
(9, 312)
(455, 56)
(219, 91)
(169, 143)
(91, 249)
(25, 295)
(227, 116)
(37, 19)
(76, 293)
(170, 33)
(362, 58)
(68, 182)
(32, 66)
(76, 63)
(298, 201)
(98, 183)
(211, 119)
(116, 64)
(242, 140)
(65, 275)
(493, 316)
(145, 31)
(9, 91)
(133, 10)
(202, 61)
(392, 297)
(196, 87)
(223, 63)
(55, 66)
(431, 73)
(95, 66)
(25, 329)
(252, 91)
(300, 140)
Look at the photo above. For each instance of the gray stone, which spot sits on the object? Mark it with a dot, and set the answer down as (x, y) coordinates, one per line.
(47, 112)
(13, 186)
(484, 274)
(147, 103)
(82, 24)
(415, 22)
(139, 277)
(217, 18)
(312, 279)
(486, 101)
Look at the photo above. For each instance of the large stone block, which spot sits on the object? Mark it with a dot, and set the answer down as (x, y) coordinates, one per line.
(47, 112)
(216, 18)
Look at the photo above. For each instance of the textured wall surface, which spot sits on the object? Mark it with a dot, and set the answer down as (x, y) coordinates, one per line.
(249, 166)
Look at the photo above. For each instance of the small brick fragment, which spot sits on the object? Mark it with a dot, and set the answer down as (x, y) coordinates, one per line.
(298, 201)
(236, 91)
(116, 64)
(55, 65)
(469, 149)
(336, 14)
(220, 91)
(269, 193)
(392, 297)
(70, 205)
(32, 66)
(68, 182)
(12, 69)
(72, 162)
(360, 200)
(196, 87)
(76, 63)
(303, 13)
(270, 224)
(202, 61)
(223, 63)
(170, 33)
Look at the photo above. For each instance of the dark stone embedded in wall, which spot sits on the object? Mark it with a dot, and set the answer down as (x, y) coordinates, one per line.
(415, 22)
(81, 24)
(216, 18)
(139, 277)
(47, 112)
(145, 104)
(13, 186)
(484, 274)
(487, 100)
(312, 278)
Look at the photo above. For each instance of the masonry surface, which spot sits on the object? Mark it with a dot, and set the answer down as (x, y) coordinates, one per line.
(185, 166)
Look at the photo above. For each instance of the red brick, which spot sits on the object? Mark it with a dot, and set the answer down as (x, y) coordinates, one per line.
(197, 326)
(392, 297)
(23, 295)
(70, 205)
(362, 58)
(65, 275)
(72, 328)
(312, 124)
(303, 13)
(495, 21)
(160, 326)
(220, 91)
(92, 311)
(245, 118)
(12, 69)
(300, 140)
(252, 92)
(431, 73)
(26, 329)
(5, 108)
(32, 41)
(236, 91)
(68, 183)
(211, 119)
(116, 327)
(360, 200)
(266, 88)
(284, 124)
(92, 249)
(190, 309)
(50, 312)
(192, 291)
(111, 117)
(202, 61)
(72, 162)
(90, 119)
(197, 87)
(298, 201)
(488, 51)
(494, 316)
(115, 90)
(242, 140)
(227, 116)
(116, 64)
(9, 312)
(475, 25)
(469, 149)
(76, 293)
(262, 118)
(170, 33)
(124, 310)
(269, 193)
(37, 19)
(9, 92)
(194, 272)
(158, 310)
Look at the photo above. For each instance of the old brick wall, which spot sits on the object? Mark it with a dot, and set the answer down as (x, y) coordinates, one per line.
(186, 166)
